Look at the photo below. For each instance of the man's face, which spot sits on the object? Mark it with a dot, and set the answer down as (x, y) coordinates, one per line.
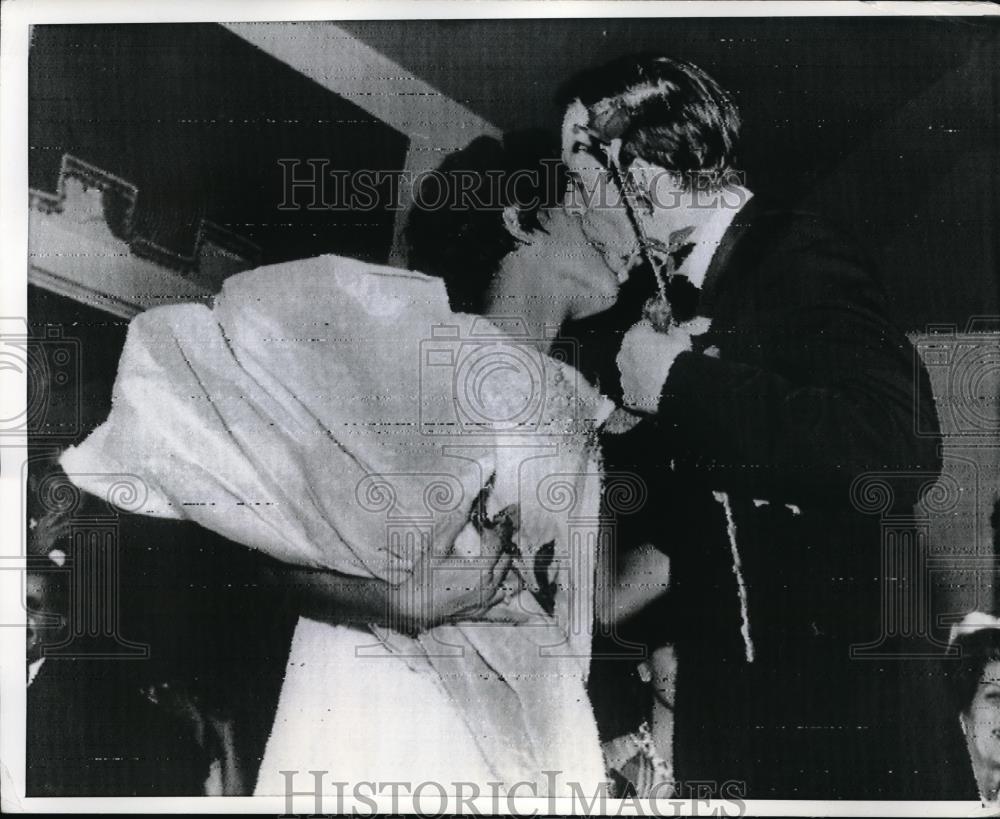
(45, 625)
(661, 672)
(595, 197)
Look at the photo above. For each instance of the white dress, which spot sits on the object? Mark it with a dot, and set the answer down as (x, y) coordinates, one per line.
(362, 718)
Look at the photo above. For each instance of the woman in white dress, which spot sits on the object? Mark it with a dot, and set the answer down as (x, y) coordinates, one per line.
(531, 264)
(380, 434)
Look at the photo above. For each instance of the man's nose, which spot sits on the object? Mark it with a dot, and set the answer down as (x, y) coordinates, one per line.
(33, 635)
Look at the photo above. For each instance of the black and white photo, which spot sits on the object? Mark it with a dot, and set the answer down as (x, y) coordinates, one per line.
(491, 408)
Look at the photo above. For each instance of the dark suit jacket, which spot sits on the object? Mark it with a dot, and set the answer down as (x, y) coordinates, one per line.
(813, 386)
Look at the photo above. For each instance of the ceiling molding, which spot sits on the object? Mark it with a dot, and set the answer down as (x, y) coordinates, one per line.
(217, 252)
(83, 245)
(340, 62)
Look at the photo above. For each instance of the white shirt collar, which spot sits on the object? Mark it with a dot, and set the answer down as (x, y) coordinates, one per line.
(707, 240)
(33, 668)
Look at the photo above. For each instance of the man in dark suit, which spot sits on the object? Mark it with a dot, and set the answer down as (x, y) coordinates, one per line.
(778, 382)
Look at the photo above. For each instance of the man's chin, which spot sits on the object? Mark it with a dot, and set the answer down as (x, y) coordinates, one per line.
(622, 266)
(988, 779)
(618, 269)
(597, 305)
(603, 305)
(618, 264)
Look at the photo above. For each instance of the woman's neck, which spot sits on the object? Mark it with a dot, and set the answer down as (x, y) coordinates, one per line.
(524, 292)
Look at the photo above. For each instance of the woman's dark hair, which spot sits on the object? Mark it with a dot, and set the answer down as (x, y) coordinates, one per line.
(455, 229)
(667, 112)
(979, 649)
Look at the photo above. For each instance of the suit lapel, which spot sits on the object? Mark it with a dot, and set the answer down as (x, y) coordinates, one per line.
(722, 264)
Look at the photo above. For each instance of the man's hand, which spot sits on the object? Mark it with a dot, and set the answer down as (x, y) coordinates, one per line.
(458, 587)
(646, 357)
(474, 581)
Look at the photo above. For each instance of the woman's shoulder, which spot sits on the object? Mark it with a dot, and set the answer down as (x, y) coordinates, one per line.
(333, 291)
(321, 270)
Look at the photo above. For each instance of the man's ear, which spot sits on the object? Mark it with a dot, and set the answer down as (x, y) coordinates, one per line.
(512, 224)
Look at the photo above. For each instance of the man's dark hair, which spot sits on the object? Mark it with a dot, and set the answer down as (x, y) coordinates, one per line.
(667, 112)
(455, 229)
